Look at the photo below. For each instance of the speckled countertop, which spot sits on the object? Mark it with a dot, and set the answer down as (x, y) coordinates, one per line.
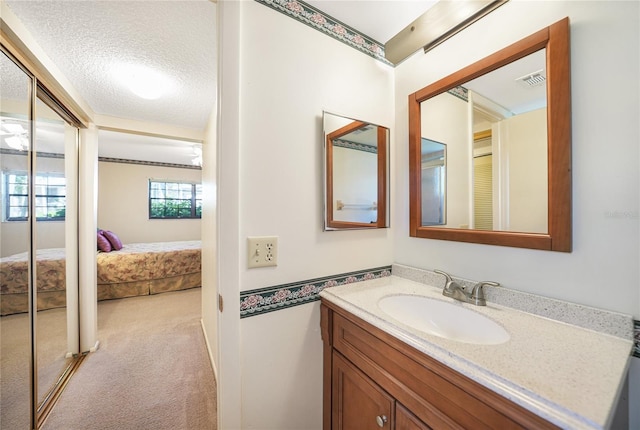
(567, 374)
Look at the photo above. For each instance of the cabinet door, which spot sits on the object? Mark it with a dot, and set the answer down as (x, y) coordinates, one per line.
(405, 420)
(357, 402)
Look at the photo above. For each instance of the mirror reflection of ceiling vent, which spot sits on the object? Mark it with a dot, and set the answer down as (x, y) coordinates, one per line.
(363, 129)
(532, 79)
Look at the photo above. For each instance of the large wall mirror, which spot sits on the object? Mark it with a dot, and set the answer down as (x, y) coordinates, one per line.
(356, 173)
(504, 124)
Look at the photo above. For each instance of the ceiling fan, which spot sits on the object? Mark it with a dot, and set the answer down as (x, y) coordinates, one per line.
(14, 134)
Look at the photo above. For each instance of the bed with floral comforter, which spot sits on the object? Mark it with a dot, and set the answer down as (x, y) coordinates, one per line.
(137, 269)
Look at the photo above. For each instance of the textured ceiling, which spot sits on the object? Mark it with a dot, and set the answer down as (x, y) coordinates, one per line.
(85, 39)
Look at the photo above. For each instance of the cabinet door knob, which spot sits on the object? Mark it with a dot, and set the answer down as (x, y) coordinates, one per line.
(381, 420)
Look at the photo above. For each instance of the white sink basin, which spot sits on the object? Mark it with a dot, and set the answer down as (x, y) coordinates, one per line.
(444, 319)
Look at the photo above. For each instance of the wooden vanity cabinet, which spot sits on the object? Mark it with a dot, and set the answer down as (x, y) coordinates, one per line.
(373, 380)
(358, 402)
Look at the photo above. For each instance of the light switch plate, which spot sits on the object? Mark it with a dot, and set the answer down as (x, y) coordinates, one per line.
(262, 251)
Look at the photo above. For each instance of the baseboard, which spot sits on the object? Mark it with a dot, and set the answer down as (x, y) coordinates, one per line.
(211, 359)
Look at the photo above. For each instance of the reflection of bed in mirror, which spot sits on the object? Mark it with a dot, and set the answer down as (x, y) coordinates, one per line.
(137, 269)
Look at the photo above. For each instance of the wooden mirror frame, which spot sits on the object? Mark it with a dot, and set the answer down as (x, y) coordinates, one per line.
(382, 203)
(555, 39)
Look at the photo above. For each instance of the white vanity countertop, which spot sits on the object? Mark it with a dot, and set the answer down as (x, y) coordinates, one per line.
(568, 375)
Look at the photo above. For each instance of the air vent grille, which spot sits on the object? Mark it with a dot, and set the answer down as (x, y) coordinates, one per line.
(533, 79)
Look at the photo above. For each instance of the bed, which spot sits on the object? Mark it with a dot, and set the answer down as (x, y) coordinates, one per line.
(137, 269)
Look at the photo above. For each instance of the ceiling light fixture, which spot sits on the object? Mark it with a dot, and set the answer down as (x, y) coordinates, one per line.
(437, 24)
(142, 80)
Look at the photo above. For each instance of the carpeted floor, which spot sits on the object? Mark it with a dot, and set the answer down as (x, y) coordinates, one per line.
(152, 370)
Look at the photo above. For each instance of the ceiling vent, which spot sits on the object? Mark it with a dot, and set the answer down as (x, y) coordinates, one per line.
(534, 79)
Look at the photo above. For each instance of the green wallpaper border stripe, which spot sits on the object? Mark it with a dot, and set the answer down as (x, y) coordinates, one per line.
(279, 297)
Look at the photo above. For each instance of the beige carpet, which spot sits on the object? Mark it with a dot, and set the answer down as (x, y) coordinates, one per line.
(152, 370)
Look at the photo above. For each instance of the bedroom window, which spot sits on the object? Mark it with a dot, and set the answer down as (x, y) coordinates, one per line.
(50, 191)
(168, 200)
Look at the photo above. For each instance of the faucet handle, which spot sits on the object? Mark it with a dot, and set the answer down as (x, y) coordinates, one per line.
(477, 294)
(451, 287)
(445, 274)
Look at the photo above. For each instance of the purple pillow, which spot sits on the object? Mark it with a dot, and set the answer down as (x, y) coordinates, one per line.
(103, 243)
(115, 242)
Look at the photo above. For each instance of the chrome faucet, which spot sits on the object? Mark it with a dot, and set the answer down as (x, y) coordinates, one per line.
(456, 291)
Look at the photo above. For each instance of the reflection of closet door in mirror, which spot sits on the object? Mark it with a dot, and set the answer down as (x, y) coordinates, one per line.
(55, 149)
(15, 325)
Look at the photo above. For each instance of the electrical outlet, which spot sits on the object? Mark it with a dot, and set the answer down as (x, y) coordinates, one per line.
(262, 251)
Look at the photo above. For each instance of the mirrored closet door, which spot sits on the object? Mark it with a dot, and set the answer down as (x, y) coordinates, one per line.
(55, 240)
(38, 246)
(15, 313)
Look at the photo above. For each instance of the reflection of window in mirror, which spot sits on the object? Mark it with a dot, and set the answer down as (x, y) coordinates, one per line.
(433, 182)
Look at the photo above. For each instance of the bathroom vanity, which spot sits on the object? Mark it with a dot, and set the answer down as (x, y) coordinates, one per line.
(381, 372)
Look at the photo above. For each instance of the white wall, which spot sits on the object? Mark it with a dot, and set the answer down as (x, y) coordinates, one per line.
(228, 152)
(288, 74)
(355, 182)
(123, 203)
(526, 142)
(602, 271)
(209, 232)
(209, 242)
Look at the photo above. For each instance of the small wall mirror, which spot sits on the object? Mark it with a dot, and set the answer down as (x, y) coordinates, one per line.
(505, 124)
(356, 173)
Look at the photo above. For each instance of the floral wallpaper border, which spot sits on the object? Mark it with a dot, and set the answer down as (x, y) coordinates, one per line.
(461, 92)
(278, 297)
(320, 21)
(355, 145)
(636, 338)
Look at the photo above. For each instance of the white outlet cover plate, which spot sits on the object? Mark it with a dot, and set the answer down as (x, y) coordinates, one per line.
(262, 251)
